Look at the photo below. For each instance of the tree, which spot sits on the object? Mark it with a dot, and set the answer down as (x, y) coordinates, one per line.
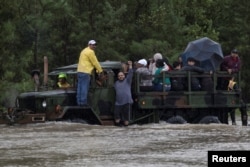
(131, 29)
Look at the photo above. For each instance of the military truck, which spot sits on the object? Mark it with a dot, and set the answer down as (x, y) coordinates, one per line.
(187, 106)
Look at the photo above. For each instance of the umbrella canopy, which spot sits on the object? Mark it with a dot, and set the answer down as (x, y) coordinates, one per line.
(206, 51)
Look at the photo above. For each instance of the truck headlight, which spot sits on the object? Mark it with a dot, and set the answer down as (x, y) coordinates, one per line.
(44, 104)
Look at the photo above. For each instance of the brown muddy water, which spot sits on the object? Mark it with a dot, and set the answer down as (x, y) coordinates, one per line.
(61, 144)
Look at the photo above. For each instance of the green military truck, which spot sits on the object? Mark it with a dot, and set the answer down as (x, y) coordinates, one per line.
(56, 104)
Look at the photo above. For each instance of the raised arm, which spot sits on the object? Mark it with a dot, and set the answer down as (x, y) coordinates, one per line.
(130, 72)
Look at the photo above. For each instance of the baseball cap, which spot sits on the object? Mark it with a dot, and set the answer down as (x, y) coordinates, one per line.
(234, 51)
(92, 42)
(143, 62)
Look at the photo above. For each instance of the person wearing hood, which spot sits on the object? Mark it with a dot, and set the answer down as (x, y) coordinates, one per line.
(152, 65)
(161, 83)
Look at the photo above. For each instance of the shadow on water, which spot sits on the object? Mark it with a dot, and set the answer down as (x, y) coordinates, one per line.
(73, 144)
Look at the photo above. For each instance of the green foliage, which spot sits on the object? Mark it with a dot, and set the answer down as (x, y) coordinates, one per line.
(32, 29)
(147, 48)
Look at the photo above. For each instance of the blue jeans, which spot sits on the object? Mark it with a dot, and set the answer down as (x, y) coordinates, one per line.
(82, 88)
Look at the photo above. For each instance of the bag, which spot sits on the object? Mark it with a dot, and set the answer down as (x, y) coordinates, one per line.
(231, 85)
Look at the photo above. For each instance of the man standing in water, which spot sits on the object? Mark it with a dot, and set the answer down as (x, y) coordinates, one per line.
(87, 62)
(123, 96)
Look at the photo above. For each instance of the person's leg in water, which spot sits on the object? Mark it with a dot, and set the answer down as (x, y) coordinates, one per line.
(117, 115)
(244, 116)
(232, 115)
(126, 113)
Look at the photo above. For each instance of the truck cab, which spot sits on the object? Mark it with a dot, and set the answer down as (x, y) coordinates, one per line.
(51, 103)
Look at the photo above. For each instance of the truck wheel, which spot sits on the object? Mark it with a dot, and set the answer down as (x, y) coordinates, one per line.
(176, 120)
(209, 119)
(75, 120)
(78, 120)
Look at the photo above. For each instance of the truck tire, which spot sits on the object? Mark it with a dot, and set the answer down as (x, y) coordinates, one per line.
(82, 121)
(209, 119)
(176, 120)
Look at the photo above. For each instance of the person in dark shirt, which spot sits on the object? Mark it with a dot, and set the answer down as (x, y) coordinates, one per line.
(191, 66)
(232, 64)
(176, 82)
(101, 79)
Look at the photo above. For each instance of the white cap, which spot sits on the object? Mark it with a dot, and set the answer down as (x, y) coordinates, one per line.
(143, 62)
(92, 42)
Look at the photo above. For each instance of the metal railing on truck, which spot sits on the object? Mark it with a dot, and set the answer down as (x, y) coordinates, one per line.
(188, 98)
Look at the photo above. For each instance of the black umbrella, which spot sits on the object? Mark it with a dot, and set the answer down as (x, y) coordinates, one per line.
(206, 51)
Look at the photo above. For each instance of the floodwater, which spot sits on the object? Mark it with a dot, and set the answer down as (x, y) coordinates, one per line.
(62, 144)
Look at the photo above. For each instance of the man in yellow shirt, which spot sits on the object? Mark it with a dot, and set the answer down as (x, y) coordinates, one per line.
(87, 63)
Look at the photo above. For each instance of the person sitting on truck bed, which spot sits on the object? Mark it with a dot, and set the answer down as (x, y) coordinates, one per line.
(191, 66)
(158, 81)
(152, 62)
(176, 82)
(62, 81)
(143, 71)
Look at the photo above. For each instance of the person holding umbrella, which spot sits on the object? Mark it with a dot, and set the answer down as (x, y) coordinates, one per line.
(191, 66)
(206, 51)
